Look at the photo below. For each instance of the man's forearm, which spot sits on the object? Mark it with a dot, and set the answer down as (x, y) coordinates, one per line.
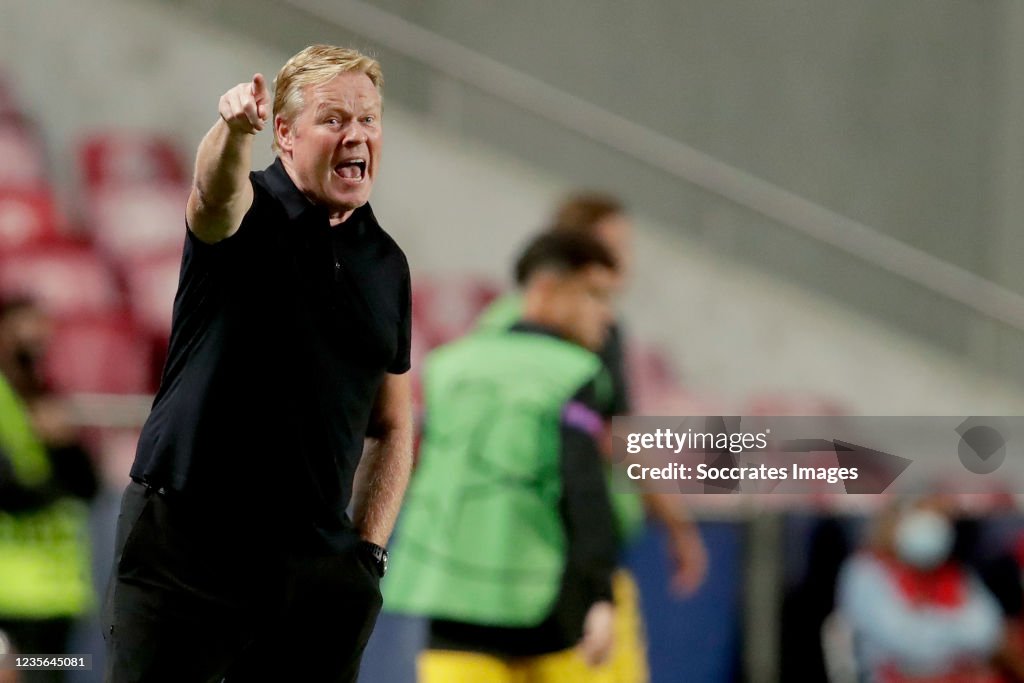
(221, 192)
(380, 483)
(222, 166)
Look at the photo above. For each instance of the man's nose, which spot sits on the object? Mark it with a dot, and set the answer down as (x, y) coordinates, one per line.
(353, 134)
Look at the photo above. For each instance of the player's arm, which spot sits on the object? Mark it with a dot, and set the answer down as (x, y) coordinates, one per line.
(686, 548)
(590, 521)
(685, 545)
(16, 496)
(221, 191)
(383, 472)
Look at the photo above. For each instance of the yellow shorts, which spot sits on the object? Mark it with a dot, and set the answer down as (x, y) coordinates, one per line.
(628, 663)
(444, 666)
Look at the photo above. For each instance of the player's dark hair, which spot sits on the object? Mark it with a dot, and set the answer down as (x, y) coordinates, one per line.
(562, 251)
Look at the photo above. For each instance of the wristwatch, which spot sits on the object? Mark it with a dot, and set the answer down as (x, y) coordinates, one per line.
(379, 556)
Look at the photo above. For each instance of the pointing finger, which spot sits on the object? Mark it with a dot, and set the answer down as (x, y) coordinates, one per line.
(259, 88)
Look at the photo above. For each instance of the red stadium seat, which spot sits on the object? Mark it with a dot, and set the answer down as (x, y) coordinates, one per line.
(445, 308)
(120, 159)
(98, 354)
(152, 284)
(418, 353)
(27, 217)
(66, 280)
(650, 372)
(130, 221)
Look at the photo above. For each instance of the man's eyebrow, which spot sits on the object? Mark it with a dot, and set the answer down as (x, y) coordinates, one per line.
(326, 107)
(363, 105)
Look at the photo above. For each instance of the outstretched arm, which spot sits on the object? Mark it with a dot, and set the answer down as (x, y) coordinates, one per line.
(589, 521)
(383, 473)
(221, 191)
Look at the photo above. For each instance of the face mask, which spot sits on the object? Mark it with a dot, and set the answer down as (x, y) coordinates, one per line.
(924, 539)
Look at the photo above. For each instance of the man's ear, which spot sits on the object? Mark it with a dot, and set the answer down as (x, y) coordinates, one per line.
(283, 133)
(545, 286)
(544, 281)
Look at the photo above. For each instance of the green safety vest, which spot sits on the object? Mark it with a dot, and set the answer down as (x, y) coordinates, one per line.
(501, 314)
(481, 538)
(626, 502)
(44, 554)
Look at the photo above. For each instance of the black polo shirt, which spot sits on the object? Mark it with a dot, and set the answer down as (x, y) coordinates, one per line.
(281, 337)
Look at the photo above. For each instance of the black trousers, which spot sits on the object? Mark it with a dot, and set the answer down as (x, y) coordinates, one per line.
(200, 597)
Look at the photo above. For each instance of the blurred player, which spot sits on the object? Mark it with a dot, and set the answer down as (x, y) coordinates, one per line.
(46, 479)
(604, 218)
(508, 540)
(289, 346)
(7, 674)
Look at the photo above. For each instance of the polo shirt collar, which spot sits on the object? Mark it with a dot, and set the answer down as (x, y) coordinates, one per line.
(297, 204)
(280, 184)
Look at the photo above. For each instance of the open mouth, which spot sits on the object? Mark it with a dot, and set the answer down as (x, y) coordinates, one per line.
(352, 169)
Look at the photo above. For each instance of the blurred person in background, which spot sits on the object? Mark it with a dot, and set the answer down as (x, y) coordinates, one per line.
(508, 541)
(46, 480)
(289, 350)
(604, 218)
(1002, 569)
(918, 614)
(7, 675)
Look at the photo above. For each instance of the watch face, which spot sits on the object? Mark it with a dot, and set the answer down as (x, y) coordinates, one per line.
(380, 557)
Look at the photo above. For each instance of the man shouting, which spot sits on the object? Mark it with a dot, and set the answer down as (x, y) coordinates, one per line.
(289, 347)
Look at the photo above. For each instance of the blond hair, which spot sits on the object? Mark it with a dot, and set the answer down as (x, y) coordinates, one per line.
(316, 65)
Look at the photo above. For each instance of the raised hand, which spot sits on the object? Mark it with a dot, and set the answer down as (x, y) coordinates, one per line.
(689, 561)
(246, 106)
